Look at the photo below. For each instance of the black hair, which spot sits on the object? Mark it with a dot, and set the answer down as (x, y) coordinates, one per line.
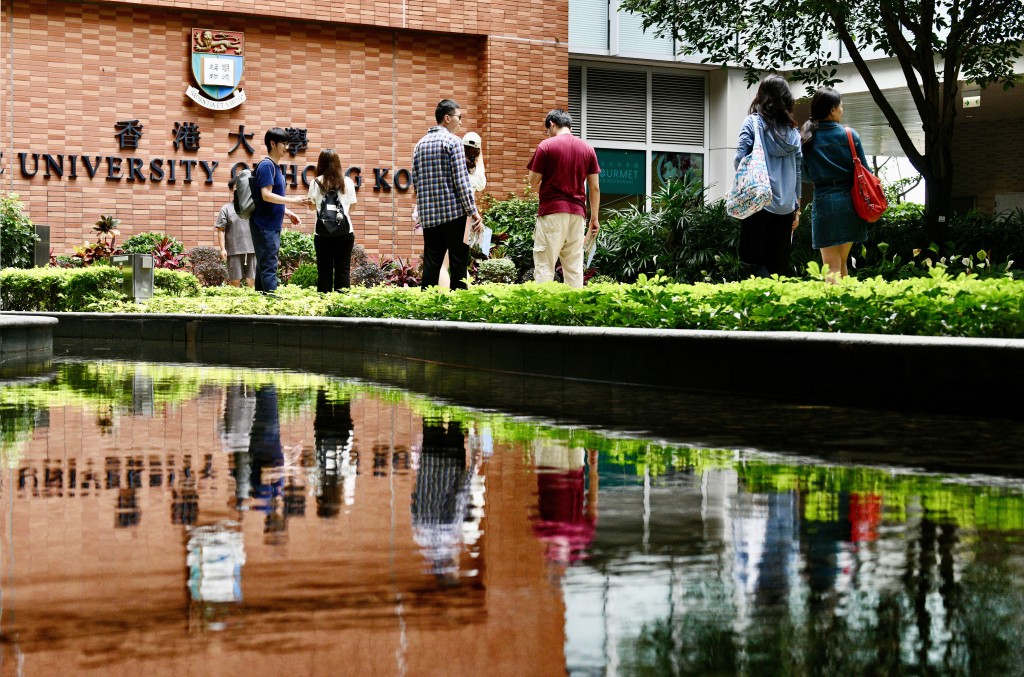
(445, 107)
(822, 104)
(559, 118)
(275, 135)
(232, 182)
(774, 103)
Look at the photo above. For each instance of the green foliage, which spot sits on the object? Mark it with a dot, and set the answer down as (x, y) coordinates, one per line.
(513, 221)
(296, 248)
(208, 267)
(58, 289)
(17, 233)
(175, 282)
(289, 299)
(304, 276)
(681, 235)
(498, 271)
(146, 243)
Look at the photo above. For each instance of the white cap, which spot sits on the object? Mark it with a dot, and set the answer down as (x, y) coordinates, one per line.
(472, 139)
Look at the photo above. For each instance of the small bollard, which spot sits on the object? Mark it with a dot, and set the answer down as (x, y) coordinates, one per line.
(137, 275)
(41, 250)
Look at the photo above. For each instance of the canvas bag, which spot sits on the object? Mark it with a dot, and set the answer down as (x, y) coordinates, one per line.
(245, 193)
(751, 189)
(331, 219)
(868, 197)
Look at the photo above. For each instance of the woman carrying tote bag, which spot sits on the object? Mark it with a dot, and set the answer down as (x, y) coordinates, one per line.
(828, 164)
(766, 235)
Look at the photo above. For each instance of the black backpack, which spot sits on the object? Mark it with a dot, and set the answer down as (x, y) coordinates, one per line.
(331, 220)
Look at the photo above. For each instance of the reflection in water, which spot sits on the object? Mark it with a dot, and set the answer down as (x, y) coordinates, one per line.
(703, 561)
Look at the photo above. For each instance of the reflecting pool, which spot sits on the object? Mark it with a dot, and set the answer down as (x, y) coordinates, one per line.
(167, 519)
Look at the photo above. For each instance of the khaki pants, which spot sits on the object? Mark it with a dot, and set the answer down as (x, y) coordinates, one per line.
(558, 237)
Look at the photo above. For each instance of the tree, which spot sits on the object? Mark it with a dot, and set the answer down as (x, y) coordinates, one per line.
(934, 41)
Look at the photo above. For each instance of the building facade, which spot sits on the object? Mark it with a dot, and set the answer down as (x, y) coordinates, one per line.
(96, 118)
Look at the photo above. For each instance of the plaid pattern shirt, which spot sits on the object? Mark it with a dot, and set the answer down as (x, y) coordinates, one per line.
(440, 177)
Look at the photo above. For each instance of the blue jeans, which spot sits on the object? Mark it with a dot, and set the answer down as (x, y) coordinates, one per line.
(267, 244)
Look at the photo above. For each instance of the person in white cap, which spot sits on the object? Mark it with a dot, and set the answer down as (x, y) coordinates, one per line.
(471, 144)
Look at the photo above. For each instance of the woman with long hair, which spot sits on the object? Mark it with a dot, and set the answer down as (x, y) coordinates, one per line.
(828, 164)
(333, 249)
(766, 236)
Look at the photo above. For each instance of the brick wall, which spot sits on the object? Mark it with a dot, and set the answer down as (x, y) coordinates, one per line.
(366, 87)
(981, 173)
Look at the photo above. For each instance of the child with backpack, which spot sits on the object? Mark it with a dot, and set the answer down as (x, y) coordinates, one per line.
(331, 195)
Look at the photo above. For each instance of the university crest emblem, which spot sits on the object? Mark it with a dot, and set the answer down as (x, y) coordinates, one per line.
(217, 61)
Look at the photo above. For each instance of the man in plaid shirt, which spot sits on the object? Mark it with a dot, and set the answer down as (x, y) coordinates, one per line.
(444, 196)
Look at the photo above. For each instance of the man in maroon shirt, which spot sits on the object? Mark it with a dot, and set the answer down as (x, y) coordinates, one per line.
(563, 167)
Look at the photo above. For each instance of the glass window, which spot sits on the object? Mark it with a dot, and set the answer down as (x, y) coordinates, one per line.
(669, 165)
(623, 178)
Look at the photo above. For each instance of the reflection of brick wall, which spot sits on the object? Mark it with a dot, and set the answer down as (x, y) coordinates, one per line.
(86, 596)
(986, 156)
(366, 87)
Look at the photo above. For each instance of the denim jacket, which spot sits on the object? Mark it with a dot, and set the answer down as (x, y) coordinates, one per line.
(828, 163)
(783, 157)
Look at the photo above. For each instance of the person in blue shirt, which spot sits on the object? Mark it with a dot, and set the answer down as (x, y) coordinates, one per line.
(828, 164)
(765, 237)
(268, 217)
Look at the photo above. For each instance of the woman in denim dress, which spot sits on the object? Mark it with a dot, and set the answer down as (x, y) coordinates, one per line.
(828, 164)
(765, 237)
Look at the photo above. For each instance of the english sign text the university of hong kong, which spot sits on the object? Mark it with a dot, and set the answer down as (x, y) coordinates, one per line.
(186, 137)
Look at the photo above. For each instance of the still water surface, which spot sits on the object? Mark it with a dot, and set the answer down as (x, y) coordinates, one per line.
(183, 520)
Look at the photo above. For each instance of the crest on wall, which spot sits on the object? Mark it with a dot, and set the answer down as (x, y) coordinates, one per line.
(218, 58)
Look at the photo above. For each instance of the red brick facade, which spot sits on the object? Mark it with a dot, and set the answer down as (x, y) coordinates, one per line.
(362, 77)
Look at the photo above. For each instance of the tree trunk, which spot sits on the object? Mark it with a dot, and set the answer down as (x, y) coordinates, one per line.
(938, 188)
(937, 201)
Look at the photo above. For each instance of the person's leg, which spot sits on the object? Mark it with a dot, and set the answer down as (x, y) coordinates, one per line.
(571, 253)
(753, 246)
(778, 241)
(458, 251)
(835, 258)
(548, 236)
(259, 243)
(249, 269)
(433, 253)
(324, 267)
(234, 266)
(343, 261)
(444, 279)
(268, 270)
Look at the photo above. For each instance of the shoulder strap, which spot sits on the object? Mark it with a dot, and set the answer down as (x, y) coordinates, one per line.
(853, 149)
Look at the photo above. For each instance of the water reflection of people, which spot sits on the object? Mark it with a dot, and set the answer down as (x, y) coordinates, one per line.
(266, 455)
(566, 508)
(234, 427)
(333, 436)
(215, 555)
(441, 496)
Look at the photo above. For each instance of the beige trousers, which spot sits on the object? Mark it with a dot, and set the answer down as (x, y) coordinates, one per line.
(559, 237)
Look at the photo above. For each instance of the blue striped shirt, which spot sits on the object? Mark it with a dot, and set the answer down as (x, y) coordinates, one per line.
(440, 177)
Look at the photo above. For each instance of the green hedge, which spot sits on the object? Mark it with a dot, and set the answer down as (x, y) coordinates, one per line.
(79, 289)
(937, 305)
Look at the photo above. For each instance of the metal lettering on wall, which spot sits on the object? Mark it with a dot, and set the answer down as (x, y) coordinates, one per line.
(185, 137)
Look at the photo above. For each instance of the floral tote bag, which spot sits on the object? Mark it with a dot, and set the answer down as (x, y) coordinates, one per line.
(751, 189)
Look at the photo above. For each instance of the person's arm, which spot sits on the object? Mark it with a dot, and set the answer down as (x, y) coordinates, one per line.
(350, 191)
(860, 151)
(535, 180)
(311, 196)
(746, 141)
(799, 184)
(219, 225)
(268, 195)
(594, 186)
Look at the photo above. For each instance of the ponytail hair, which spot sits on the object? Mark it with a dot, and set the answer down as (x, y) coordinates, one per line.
(822, 104)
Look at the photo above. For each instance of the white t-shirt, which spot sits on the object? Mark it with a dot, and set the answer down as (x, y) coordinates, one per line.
(347, 198)
(477, 179)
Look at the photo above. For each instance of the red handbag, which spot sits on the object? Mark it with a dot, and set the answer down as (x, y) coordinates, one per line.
(868, 197)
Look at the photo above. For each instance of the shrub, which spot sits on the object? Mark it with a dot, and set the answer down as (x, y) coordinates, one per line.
(501, 271)
(399, 273)
(296, 248)
(369, 274)
(58, 289)
(146, 243)
(176, 282)
(304, 276)
(17, 233)
(513, 221)
(206, 264)
(359, 256)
